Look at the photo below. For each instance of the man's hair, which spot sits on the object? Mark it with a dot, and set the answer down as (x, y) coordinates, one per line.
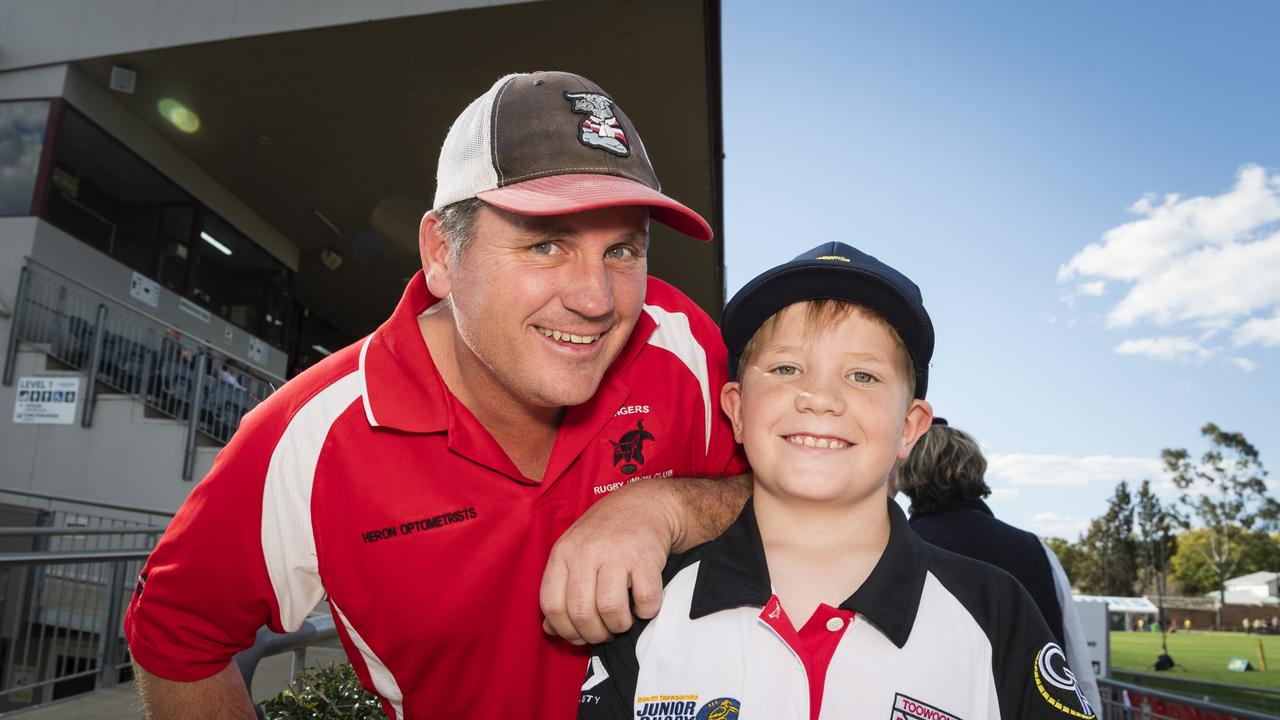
(945, 465)
(455, 222)
(822, 315)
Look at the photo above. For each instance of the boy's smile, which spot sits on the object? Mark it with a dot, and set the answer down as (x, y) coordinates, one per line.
(824, 413)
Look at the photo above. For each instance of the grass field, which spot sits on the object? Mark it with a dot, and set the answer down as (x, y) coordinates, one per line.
(1203, 656)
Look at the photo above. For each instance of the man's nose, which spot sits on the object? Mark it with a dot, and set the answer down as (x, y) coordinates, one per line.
(588, 288)
(820, 397)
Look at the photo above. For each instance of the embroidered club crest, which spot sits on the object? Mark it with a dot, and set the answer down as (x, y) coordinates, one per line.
(630, 448)
(1057, 684)
(600, 129)
(909, 708)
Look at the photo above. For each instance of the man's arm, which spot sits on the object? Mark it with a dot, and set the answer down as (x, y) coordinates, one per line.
(221, 696)
(622, 543)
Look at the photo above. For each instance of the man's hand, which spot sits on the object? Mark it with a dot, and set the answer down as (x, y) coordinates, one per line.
(622, 543)
(219, 697)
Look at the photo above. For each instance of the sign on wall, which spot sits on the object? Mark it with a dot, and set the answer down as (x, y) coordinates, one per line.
(46, 400)
(193, 310)
(145, 289)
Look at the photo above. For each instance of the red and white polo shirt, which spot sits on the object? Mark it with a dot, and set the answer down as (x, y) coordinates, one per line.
(365, 483)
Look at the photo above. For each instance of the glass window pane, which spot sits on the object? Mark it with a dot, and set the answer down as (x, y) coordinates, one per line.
(106, 196)
(22, 126)
(240, 281)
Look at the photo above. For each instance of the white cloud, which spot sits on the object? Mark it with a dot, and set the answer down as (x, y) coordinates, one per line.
(1069, 471)
(1092, 289)
(1244, 364)
(1004, 492)
(1166, 348)
(1208, 263)
(1264, 331)
(1048, 524)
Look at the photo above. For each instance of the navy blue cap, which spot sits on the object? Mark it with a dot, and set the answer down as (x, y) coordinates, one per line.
(836, 271)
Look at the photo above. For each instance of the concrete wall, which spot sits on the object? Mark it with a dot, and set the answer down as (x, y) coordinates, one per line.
(67, 255)
(42, 32)
(124, 457)
(17, 235)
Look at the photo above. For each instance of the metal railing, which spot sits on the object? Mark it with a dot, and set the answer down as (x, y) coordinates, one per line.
(317, 628)
(133, 353)
(1127, 701)
(66, 580)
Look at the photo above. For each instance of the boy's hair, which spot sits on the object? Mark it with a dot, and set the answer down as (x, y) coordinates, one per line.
(945, 465)
(822, 315)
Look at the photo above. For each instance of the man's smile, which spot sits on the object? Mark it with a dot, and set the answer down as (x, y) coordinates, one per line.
(568, 337)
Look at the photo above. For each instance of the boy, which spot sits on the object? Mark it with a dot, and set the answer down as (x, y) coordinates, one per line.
(820, 602)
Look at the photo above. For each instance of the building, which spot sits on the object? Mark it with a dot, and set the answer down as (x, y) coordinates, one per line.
(197, 199)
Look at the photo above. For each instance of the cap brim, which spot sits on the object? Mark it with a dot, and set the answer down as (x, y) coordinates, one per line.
(562, 194)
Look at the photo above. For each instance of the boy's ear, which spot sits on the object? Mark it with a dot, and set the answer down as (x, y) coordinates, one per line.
(731, 403)
(434, 252)
(919, 418)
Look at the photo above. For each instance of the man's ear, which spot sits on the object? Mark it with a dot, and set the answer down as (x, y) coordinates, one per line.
(919, 418)
(434, 251)
(731, 403)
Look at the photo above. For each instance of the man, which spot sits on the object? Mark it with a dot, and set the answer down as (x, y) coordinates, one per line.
(417, 480)
(944, 477)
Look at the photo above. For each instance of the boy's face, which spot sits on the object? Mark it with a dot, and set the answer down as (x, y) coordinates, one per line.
(824, 415)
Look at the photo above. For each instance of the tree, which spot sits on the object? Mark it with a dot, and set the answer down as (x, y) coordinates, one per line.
(1193, 566)
(1157, 544)
(1108, 566)
(1070, 556)
(1227, 487)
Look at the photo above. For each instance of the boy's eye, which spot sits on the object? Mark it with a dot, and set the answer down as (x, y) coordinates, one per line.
(862, 377)
(786, 370)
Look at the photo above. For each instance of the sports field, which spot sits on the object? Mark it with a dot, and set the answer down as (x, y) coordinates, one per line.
(1203, 656)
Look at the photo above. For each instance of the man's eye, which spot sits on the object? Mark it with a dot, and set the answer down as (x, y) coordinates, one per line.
(544, 248)
(786, 370)
(862, 377)
(620, 252)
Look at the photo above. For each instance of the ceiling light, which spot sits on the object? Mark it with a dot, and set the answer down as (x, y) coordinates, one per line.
(330, 258)
(179, 115)
(322, 350)
(214, 242)
(264, 141)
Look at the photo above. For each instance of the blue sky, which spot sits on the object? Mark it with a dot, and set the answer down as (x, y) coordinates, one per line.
(1088, 194)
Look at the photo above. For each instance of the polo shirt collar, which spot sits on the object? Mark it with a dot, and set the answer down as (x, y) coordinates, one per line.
(733, 572)
(403, 389)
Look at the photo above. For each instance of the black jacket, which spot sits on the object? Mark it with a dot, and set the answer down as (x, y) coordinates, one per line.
(969, 528)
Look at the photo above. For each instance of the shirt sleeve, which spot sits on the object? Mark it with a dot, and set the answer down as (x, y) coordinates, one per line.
(609, 689)
(204, 591)
(724, 457)
(1077, 648)
(1032, 675)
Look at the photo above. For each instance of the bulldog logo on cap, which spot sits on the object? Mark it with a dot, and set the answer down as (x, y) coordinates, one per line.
(600, 129)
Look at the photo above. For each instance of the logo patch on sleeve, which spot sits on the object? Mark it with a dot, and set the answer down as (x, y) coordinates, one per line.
(1057, 684)
(909, 708)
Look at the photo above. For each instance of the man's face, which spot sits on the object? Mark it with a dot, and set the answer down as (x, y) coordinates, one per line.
(825, 414)
(543, 305)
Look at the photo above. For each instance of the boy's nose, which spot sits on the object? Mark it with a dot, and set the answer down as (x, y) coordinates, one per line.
(816, 397)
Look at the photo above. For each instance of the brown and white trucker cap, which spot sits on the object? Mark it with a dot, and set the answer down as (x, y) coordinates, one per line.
(550, 143)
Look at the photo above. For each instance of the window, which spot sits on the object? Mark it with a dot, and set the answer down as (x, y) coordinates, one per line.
(106, 196)
(22, 126)
(239, 281)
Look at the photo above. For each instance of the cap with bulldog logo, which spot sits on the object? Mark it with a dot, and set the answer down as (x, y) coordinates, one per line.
(550, 143)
